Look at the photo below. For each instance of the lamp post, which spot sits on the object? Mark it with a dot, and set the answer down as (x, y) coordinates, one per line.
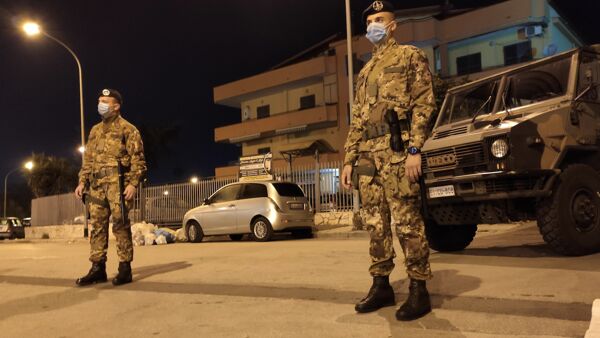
(28, 166)
(33, 29)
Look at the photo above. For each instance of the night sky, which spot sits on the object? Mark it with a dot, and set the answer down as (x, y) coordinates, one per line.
(165, 57)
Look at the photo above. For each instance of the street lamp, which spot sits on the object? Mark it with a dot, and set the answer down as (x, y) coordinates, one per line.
(194, 180)
(33, 29)
(81, 149)
(28, 166)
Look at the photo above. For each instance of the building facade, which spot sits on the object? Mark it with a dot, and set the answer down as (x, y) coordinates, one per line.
(301, 111)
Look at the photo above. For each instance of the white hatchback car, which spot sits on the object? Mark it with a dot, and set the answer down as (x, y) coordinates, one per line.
(257, 208)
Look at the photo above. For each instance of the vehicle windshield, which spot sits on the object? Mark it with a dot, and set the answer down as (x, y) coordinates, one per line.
(466, 103)
(528, 86)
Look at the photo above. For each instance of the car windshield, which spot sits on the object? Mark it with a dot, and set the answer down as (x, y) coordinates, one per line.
(527, 86)
(288, 190)
(474, 100)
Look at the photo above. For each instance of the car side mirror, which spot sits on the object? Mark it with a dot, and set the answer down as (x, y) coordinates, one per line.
(206, 201)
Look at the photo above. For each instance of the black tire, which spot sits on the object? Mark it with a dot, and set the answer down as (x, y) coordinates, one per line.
(569, 219)
(262, 231)
(194, 232)
(302, 233)
(236, 237)
(447, 238)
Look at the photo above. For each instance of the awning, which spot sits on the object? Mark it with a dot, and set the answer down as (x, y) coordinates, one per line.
(306, 148)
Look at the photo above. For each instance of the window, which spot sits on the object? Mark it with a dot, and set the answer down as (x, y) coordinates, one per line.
(517, 53)
(263, 111)
(288, 190)
(468, 64)
(263, 151)
(589, 77)
(476, 100)
(307, 102)
(254, 190)
(229, 193)
(537, 84)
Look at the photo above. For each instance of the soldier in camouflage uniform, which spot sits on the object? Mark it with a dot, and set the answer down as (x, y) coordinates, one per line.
(112, 141)
(393, 106)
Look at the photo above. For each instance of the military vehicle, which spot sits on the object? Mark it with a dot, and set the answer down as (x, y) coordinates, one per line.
(519, 145)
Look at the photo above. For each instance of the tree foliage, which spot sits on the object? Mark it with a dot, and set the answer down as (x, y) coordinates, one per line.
(52, 175)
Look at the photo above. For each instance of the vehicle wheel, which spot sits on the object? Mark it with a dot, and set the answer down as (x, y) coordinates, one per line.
(302, 233)
(194, 232)
(445, 238)
(236, 237)
(262, 231)
(569, 219)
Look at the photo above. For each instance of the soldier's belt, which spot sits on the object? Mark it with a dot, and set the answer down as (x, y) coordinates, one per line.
(375, 131)
(104, 172)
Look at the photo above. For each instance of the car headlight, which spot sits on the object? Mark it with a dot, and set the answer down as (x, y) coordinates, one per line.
(499, 148)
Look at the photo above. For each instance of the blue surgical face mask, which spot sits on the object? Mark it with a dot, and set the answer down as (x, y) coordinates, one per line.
(103, 109)
(377, 31)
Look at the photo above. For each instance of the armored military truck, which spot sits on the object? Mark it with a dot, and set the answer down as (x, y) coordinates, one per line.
(523, 144)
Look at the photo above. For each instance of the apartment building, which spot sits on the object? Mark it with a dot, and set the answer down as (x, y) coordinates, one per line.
(302, 110)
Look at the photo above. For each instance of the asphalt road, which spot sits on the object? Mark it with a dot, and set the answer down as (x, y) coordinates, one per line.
(507, 284)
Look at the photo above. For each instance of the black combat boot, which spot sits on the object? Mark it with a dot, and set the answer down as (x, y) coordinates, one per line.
(380, 295)
(97, 274)
(124, 275)
(417, 304)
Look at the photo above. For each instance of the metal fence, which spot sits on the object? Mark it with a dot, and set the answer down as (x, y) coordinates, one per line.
(166, 204)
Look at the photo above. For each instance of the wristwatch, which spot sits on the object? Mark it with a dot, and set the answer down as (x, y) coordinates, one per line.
(413, 150)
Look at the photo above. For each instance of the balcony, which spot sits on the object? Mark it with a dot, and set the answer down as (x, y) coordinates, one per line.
(303, 73)
(280, 124)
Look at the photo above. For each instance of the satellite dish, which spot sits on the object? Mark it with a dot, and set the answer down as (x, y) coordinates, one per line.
(246, 113)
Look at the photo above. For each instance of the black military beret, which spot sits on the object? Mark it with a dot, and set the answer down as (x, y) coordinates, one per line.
(112, 93)
(378, 7)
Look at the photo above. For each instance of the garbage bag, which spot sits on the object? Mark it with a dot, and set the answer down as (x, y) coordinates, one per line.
(180, 235)
(167, 233)
(138, 238)
(161, 240)
(149, 238)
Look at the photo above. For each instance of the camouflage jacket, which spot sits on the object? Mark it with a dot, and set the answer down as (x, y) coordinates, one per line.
(397, 77)
(110, 141)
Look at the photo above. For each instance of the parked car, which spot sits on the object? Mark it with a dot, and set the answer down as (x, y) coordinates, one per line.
(519, 145)
(11, 228)
(26, 221)
(257, 208)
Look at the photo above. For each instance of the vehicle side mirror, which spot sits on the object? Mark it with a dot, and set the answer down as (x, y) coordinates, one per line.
(206, 201)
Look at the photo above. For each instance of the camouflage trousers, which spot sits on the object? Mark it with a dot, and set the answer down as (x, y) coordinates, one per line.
(100, 215)
(385, 196)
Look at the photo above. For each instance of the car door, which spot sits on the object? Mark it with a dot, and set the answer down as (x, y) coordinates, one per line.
(219, 216)
(251, 203)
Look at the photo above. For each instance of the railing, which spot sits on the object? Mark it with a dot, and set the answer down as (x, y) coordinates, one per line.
(166, 204)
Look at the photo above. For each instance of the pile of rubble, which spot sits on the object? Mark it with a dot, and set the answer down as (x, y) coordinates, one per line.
(150, 234)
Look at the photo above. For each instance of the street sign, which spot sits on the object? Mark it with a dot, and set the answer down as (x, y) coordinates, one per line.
(256, 168)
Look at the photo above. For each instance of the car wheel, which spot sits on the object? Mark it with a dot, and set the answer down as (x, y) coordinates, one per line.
(194, 232)
(236, 237)
(302, 233)
(569, 219)
(447, 238)
(262, 231)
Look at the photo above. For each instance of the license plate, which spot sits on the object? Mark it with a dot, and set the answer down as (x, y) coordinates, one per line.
(443, 191)
(297, 206)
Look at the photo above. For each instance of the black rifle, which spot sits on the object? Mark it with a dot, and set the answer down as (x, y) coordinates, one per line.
(86, 210)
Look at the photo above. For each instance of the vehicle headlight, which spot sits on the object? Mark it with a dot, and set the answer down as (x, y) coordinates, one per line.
(499, 148)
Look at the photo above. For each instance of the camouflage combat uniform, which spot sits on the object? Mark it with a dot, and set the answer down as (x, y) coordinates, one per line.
(111, 140)
(397, 77)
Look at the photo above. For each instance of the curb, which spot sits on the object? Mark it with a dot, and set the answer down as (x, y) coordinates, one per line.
(594, 330)
(341, 235)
